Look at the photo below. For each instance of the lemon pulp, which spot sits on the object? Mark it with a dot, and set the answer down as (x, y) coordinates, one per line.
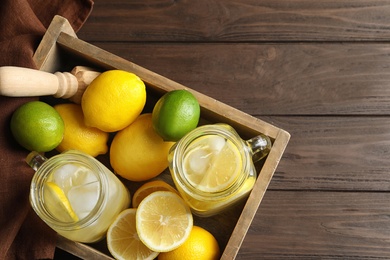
(163, 221)
(123, 241)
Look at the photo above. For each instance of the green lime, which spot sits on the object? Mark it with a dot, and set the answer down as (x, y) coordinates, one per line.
(175, 114)
(37, 126)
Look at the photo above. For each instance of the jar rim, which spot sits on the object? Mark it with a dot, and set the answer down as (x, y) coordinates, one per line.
(41, 175)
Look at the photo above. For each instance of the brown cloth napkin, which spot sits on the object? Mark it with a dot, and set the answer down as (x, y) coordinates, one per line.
(22, 24)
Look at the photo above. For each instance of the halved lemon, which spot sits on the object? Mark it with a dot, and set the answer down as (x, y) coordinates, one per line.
(57, 203)
(123, 241)
(164, 221)
(149, 188)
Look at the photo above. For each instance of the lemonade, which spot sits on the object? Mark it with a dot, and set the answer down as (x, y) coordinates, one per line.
(212, 167)
(76, 195)
(212, 163)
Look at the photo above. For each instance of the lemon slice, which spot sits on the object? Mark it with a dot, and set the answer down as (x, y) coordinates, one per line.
(212, 163)
(123, 241)
(149, 188)
(163, 221)
(57, 203)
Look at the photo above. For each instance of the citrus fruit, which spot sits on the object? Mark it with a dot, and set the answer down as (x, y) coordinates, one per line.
(163, 221)
(149, 188)
(78, 136)
(113, 100)
(137, 152)
(37, 126)
(57, 203)
(205, 163)
(200, 245)
(175, 114)
(123, 241)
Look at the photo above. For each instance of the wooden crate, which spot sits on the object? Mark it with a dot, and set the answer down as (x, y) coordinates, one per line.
(61, 50)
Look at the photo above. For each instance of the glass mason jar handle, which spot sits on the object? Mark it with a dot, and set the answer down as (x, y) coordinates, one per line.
(260, 146)
(35, 160)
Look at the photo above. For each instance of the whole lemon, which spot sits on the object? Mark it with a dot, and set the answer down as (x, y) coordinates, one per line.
(138, 153)
(201, 244)
(78, 136)
(113, 100)
(175, 114)
(37, 126)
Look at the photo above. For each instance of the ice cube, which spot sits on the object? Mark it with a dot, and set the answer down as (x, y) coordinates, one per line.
(216, 143)
(84, 176)
(198, 161)
(63, 176)
(83, 198)
(70, 175)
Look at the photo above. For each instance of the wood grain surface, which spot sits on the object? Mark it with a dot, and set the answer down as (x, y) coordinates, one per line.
(319, 70)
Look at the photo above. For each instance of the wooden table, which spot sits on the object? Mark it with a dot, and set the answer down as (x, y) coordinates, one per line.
(318, 69)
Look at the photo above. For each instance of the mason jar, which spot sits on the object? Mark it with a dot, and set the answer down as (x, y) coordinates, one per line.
(76, 195)
(213, 167)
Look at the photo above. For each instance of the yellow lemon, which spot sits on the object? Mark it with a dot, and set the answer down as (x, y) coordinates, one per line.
(137, 152)
(200, 245)
(78, 136)
(163, 221)
(123, 241)
(175, 114)
(37, 126)
(113, 100)
(149, 188)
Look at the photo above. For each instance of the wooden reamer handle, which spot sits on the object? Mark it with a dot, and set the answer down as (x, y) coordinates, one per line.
(25, 82)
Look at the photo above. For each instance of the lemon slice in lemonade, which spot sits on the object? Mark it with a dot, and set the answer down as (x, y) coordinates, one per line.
(164, 221)
(148, 188)
(123, 241)
(212, 163)
(57, 203)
